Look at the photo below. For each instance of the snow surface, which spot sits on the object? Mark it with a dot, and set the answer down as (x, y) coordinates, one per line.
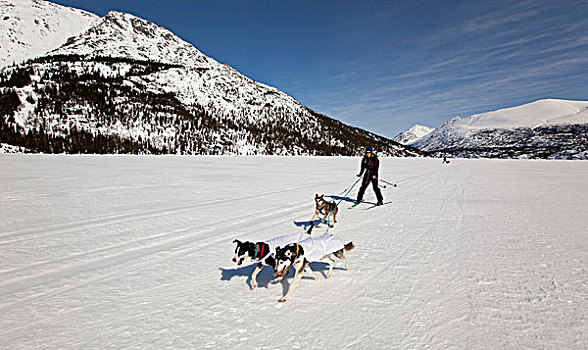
(29, 28)
(135, 252)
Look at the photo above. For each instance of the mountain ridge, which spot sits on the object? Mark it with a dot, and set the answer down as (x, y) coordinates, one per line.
(546, 128)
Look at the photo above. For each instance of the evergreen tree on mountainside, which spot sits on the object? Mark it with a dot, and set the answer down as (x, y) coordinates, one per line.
(9, 103)
(540, 142)
(19, 78)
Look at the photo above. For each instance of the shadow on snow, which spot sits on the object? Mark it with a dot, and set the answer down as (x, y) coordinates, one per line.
(266, 275)
(307, 224)
(350, 200)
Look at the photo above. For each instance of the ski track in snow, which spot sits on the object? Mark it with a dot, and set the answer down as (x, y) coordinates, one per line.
(126, 252)
(131, 216)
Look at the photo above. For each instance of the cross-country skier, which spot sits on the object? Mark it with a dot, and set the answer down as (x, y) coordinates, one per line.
(370, 164)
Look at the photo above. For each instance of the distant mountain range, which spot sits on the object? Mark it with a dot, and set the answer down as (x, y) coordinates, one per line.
(546, 129)
(121, 84)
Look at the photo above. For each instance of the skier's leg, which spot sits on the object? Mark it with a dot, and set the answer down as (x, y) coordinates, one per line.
(364, 185)
(377, 190)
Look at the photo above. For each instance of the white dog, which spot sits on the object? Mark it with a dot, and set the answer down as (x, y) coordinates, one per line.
(299, 255)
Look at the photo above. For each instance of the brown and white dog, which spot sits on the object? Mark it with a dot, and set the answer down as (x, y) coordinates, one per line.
(299, 255)
(324, 208)
(262, 252)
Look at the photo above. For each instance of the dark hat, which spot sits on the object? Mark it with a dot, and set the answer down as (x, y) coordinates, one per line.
(368, 149)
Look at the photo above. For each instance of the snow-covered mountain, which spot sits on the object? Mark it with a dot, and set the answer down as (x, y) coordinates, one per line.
(29, 28)
(127, 85)
(548, 128)
(413, 134)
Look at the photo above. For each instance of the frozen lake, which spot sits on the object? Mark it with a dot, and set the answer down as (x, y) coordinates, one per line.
(135, 252)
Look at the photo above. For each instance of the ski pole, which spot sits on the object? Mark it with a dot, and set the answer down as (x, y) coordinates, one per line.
(389, 183)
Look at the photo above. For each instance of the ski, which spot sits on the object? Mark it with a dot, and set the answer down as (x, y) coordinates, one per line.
(356, 204)
(362, 202)
(375, 206)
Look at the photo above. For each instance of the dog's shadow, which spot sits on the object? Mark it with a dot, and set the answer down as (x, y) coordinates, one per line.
(264, 277)
(318, 267)
(307, 224)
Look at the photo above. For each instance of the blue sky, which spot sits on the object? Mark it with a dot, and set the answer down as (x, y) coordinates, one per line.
(386, 65)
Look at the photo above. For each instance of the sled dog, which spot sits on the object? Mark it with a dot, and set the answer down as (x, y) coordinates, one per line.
(312, 249)
(324, 208)
(262, 252)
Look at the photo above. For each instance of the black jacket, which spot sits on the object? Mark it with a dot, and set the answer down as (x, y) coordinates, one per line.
(370, 165)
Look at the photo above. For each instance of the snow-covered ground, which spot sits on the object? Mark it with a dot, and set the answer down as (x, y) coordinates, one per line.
(112, 252)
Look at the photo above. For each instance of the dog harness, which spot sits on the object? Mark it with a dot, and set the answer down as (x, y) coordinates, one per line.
(298, 254)
(283, 241)
(325, 205)
(259, 252)
(320, 210)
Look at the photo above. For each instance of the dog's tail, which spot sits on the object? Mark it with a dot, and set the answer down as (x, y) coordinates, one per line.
(349, 246)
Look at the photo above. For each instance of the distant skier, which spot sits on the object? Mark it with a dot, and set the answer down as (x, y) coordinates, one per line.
(370, 164)
(445, 161)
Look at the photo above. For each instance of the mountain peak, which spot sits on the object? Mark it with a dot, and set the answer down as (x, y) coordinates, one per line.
(412, 135)
(29, 28)
(124, 35)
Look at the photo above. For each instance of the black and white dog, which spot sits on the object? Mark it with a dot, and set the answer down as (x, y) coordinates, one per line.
(299, 255)
(263, 252)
